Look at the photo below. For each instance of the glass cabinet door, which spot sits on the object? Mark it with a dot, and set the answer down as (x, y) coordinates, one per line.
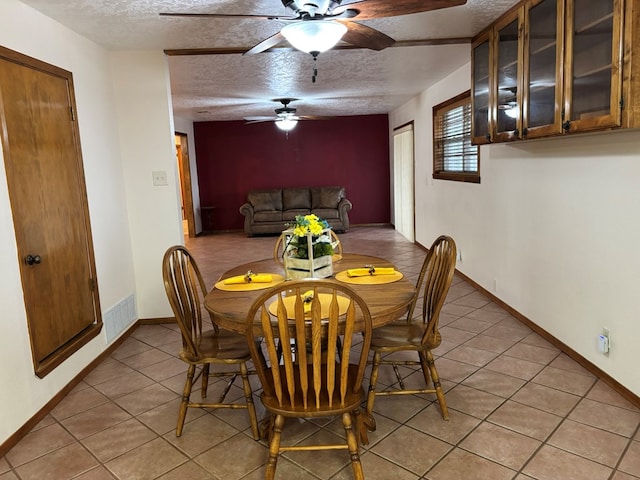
(481, 89)
(543, 68)
(593, 64)
(508, 93)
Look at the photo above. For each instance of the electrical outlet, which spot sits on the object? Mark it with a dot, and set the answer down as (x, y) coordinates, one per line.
(159, 178)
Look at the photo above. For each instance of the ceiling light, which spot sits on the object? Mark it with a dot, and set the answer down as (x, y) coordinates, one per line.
(286, 124)
(314, 36)
(513, 111)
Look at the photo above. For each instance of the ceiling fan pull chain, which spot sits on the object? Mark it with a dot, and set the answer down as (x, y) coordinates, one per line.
(315, 69)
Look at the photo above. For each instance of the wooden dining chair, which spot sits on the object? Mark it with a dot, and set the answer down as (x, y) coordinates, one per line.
(337, 246)
(203, 347)
(313, 378)
(418, 336)
(278, 249)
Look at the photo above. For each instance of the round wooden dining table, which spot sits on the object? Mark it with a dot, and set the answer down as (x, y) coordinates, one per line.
(387, 302)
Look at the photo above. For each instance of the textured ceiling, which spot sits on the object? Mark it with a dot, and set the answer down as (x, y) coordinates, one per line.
(233, 86)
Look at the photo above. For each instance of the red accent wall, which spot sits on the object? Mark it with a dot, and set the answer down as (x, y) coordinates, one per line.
(234, 157)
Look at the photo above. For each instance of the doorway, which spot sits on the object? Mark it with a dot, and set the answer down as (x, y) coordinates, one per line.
(403, 181)
(184, 172)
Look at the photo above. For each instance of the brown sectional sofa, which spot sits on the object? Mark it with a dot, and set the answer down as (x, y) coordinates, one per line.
(269, 211)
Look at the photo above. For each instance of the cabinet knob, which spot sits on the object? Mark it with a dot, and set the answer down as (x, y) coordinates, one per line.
(566, 125)
(488, 137)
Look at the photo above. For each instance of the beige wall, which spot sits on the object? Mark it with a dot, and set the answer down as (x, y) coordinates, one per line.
(126, 132)
(552, 230)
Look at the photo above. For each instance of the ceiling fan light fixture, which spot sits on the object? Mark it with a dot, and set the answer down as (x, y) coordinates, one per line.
(512, 111)
(314, 36)
(286, 124)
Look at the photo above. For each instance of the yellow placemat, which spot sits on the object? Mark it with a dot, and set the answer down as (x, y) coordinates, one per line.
(368, 279)
(245, 287)
(325, 302)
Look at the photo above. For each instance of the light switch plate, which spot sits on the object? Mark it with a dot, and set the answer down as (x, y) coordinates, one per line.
(159, 178)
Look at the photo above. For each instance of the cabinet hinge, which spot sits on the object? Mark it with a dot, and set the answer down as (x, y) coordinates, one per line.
(93, 285)
(72, 113)
(622, 102)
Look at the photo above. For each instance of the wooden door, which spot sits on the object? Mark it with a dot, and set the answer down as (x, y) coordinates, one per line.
(184, 168)
(48, 201)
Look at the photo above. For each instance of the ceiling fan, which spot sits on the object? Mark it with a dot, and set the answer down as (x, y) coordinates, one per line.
(315, 18)
(286, 118)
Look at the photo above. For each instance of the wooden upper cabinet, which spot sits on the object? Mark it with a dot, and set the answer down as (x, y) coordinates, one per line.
(593, 87)
(481, 88)
(543, 68)
(507, 47)
(557, 68)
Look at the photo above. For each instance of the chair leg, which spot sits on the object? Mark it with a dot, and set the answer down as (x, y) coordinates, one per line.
(205, 380)
(365, 422)
(425, 368)
(248, 395)
(352, 444)
(373, 380)
(436, 383)
(186, 393)
(274, 448)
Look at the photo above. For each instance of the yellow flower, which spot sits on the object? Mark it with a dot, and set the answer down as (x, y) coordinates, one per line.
(300, 231)
(315, 228)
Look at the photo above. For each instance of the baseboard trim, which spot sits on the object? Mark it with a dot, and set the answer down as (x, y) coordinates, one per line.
(602, 375)
(156, 321)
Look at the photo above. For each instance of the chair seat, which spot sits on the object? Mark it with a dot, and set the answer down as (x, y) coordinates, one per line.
(403, 336)
(220, 347)
(352, 399)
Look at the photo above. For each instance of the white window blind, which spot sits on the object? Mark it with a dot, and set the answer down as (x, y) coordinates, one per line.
(455, 158)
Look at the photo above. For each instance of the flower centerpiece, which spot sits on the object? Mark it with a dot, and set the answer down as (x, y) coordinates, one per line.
(308, 248)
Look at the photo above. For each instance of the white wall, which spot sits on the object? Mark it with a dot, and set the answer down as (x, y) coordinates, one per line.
(125, 133)
(553, 227)
(145, 125)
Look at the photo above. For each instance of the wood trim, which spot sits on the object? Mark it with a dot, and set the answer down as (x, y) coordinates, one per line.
(19, 434)
(605, 377)
(156, 321)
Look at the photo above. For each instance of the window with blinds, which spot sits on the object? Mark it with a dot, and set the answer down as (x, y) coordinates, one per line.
(454, 158)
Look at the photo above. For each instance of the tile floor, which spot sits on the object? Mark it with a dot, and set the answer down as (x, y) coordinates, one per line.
(520, 409)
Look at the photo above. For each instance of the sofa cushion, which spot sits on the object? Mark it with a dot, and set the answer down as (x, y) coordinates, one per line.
(296, 198)
(268, 216)
(326, 197)
(290, 215)
(265, 200)
(326, 213)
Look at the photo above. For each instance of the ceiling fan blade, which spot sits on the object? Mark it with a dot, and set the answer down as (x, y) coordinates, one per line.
(367, 37)
(224, 15)
(314, 117)
(384, 8)
(259, 119)
(266, 44)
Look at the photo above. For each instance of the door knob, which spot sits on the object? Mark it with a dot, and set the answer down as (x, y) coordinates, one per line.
(32, 259)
